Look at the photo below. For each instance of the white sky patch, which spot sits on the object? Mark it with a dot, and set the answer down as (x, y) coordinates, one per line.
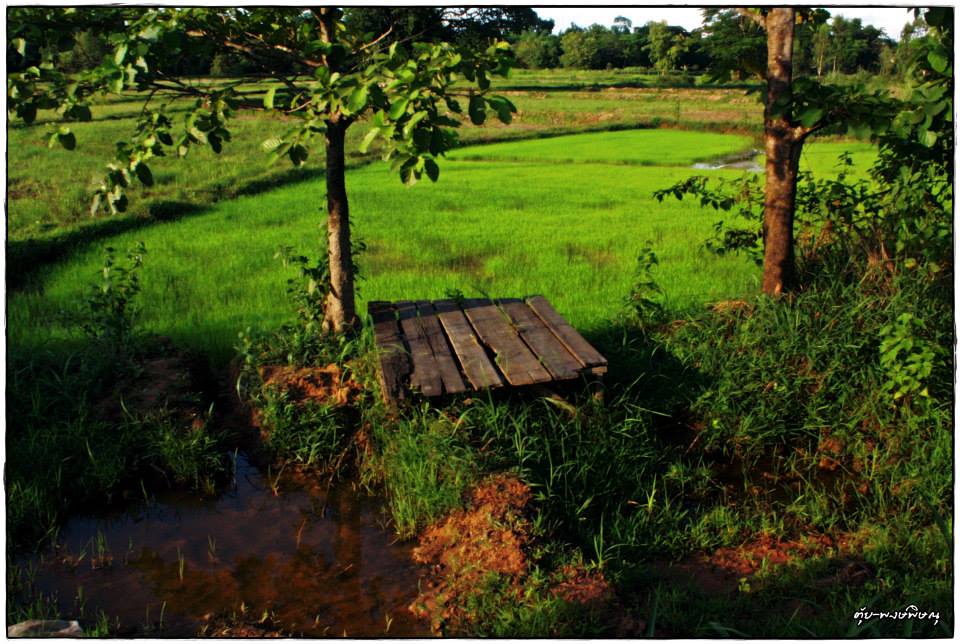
(890, 19)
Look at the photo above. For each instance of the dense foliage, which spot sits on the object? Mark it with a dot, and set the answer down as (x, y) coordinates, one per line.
(825, 45)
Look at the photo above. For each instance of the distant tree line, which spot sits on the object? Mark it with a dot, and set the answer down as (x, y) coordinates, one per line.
(386, 24)
(825, 44)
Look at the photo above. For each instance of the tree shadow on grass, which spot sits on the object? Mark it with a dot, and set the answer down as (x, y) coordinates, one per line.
(26, 258)
(642, 367)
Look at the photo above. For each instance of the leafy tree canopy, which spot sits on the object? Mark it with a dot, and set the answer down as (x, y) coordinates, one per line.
(405, 87)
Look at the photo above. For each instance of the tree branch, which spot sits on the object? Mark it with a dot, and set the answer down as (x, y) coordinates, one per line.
(378, 39)
(252, 53)
(753, 15)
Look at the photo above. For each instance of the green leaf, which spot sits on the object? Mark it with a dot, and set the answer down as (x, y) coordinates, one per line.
(28, 112)
(811, 116)
(368, 139)
(929, 138)
(412, 123)
(67, 138)
(932, 109)
(938, 60)
(298, 154)
(120, 53)
(358, 100)
(144, 174)
(397, 109)
(268, 98)
(432, 169)
(272, 144)
(477, 112)
(21, 46)
(80, 112)
(215, 142)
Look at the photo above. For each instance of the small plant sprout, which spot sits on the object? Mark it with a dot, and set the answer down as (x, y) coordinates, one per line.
(181, 564)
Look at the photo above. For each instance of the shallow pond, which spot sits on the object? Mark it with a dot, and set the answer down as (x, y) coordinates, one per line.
(313, 562)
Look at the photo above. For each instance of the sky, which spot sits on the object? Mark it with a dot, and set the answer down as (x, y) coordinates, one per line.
(890, 19)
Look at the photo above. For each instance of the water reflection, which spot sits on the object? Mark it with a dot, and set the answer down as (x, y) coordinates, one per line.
(316, 563)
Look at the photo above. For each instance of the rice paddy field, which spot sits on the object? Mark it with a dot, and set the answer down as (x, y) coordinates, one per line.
(562, 216)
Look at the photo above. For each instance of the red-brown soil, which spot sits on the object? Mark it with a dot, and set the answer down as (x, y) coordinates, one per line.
(326, 384)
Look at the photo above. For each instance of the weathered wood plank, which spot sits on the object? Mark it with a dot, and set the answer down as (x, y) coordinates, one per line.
(394, 360)
(514, 359)
(430, 325)
(585, 354)
(426, 373)
(552, 354)
(473, 358)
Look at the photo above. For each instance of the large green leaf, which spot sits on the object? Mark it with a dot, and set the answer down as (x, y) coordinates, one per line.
(398, 108)
(432, 169)
(298, 154)
(358, 100)
(268, 98)
(478, 113)
(938, 60)
(144, 174)
(368, 139)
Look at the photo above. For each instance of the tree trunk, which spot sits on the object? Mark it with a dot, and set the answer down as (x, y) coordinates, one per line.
(340, 313)
(782, 145)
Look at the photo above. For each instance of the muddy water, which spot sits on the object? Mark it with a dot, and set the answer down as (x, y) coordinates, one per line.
(316, 563)
(748, 161)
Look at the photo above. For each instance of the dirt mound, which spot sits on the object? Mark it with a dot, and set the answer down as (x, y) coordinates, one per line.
(487, 543)
(328, 384)
(749, 558)
(463, 550)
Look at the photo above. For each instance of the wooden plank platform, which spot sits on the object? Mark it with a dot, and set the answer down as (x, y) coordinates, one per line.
(449, 346)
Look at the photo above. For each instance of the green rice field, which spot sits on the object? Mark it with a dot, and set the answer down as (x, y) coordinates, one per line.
(550, 216)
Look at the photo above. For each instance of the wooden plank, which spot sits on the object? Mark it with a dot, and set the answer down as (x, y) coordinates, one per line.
(585, 354)
(514, 359)
(473, 358)
(561, 364)
(447, 366)
(426, 373)
(394, 360)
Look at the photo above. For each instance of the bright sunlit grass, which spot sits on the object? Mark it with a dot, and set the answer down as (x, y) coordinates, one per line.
(634, 147)
(569, 231)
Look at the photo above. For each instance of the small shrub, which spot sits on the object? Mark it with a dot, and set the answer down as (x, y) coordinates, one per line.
(111, 309)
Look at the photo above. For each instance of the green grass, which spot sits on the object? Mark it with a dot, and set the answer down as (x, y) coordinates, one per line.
(485, 227)
(821, 157)
(634, 147)
(49, 190)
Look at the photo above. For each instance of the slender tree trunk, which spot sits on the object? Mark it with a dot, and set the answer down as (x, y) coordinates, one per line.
(340, 314)
(782, 144)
